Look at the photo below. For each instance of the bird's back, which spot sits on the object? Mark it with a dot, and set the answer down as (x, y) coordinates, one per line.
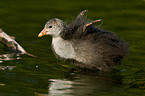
(95, 47)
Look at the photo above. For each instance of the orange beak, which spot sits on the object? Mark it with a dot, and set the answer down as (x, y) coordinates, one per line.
(42, 33)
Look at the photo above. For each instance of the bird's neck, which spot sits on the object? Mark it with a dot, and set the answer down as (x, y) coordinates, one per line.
(63, 48)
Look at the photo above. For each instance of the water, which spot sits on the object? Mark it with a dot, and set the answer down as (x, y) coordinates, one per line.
(21, 75)
(31, 80)
(27, 76)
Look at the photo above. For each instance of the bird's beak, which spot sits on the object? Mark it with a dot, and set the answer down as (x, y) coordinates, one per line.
(42, 33)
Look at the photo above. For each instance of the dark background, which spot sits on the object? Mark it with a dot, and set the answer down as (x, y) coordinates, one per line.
(24, 19)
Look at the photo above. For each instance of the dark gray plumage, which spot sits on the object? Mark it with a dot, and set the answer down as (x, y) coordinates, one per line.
(87, 45)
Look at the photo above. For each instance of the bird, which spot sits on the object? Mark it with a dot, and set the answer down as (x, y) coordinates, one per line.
(84, 44)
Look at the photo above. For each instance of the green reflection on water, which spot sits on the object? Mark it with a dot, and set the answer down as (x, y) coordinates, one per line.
(25, 19)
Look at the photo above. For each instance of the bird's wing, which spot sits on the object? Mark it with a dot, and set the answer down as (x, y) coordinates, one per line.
(80, 27)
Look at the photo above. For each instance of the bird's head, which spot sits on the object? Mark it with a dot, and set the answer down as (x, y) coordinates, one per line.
(53, 27)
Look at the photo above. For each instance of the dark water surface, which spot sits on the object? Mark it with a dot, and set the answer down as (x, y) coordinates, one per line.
(21, 75)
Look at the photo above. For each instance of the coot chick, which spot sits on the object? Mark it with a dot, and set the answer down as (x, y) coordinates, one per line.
(84, 44)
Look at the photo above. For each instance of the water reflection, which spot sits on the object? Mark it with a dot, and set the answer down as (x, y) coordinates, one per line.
(7, 67)
(10, 56)
(2, 84)
(6, 57)
(60, 87)
(83, 85)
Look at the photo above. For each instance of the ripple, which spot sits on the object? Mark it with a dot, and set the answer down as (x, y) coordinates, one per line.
(7, 57)
(7, 67)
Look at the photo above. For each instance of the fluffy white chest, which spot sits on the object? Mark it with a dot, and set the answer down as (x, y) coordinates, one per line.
(63, 48)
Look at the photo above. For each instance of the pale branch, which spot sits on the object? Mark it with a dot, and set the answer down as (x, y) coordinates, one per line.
(12, 44)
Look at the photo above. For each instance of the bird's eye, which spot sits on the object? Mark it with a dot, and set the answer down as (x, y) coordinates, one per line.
(50, 26)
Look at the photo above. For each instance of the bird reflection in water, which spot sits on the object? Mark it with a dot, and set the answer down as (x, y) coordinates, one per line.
(60, 87)
(79, 87)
